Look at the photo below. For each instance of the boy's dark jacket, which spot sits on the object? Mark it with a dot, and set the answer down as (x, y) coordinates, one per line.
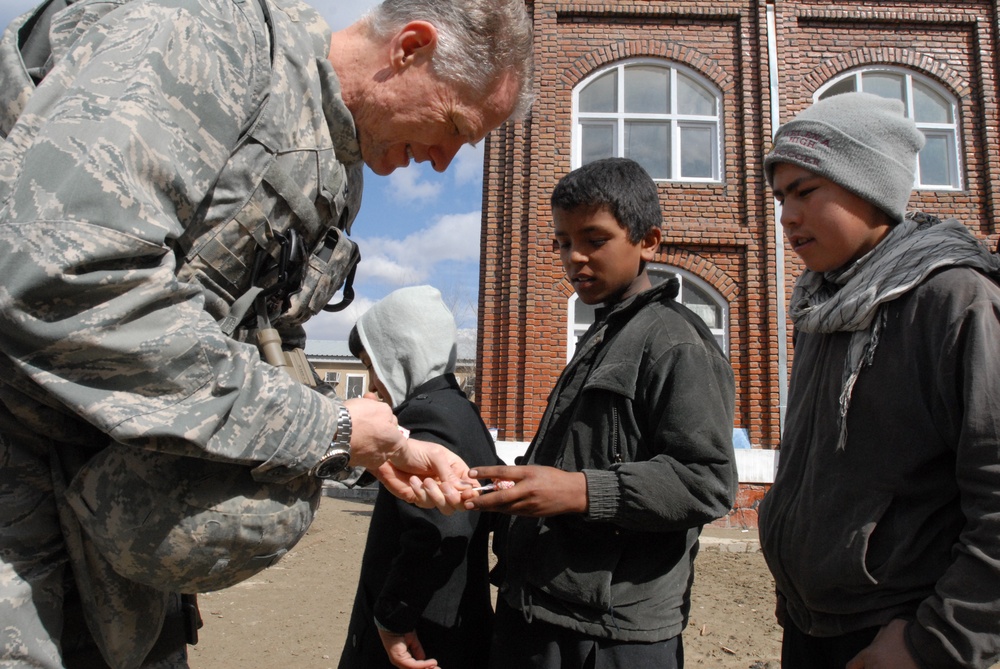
(645, 410)
(909, 513)
(424, 570)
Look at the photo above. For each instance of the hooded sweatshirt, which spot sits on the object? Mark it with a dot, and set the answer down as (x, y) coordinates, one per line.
(411, 338)
(422, 570)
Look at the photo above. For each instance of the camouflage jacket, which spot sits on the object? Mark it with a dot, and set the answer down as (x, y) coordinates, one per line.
(166, 141)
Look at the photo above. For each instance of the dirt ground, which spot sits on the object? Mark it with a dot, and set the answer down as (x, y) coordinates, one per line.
(294, 615)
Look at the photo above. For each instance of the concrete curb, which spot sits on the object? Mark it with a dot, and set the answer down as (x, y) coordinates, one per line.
(339, 491)
(730, 540)
(723, 539)
(729, 545)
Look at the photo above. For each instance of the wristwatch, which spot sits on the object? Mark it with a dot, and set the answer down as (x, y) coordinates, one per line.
(335, 464)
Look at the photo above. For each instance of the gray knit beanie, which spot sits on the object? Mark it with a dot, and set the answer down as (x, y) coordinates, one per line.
(859, 141)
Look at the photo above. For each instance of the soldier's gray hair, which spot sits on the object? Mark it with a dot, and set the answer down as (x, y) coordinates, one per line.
(478, 40)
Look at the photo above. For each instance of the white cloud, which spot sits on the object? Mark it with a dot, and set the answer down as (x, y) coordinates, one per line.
(468, 164)
(438, 254)
(407, 184)
(376, 266)
(337, 325)
(451, 238)
(419, 183)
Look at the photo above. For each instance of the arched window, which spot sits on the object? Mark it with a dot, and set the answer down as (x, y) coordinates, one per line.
(932, 108)
(663, 116)
(695, 294)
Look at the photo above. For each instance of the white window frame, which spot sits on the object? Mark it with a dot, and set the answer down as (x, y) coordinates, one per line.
(658, 272)
(351, 377)
(950, 131)
(675, 120)
(331, 377)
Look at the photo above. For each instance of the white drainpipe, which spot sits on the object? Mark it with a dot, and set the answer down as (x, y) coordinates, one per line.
(779, 242)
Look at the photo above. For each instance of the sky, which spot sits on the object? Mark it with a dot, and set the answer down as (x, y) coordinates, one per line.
(414, 227)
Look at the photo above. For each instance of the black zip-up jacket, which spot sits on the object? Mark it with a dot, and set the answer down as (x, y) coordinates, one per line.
(904, 522)
(645, 411)
(423, 570)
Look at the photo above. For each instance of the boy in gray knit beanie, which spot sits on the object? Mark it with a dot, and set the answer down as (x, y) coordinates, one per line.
(860, 141)
(882, 527)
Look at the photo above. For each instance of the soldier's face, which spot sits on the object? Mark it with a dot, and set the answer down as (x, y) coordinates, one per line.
(417, 117)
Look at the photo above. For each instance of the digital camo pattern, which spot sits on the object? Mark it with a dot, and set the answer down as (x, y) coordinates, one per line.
(156, 518)
(161, 138)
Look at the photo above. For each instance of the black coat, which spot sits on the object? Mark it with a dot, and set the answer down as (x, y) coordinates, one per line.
(422, 569)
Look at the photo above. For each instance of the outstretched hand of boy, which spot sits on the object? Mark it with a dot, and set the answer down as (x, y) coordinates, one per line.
(538, 491)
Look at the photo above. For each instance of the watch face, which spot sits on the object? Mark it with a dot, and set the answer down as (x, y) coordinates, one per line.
(332, 465)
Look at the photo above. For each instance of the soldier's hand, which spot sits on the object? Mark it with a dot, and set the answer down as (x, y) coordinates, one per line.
(426, 474)
(375, 433)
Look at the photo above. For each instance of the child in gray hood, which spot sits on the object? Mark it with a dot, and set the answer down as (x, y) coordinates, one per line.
(424, 589)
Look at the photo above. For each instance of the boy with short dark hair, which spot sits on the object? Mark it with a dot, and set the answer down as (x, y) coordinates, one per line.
(882, 528)
(633, 455)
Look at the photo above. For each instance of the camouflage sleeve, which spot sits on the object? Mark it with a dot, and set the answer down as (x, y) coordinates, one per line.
(113, 154)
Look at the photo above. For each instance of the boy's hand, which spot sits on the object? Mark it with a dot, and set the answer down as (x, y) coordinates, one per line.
(537, 492)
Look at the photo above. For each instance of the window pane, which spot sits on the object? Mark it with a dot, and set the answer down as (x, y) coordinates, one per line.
(693, 98)
(845, 85)
(601, 95)
(597, 141)
(649, 145)
(929, 106)
(886, 84)
(697, 301)
(646, 90)
(355, 386)
(697, 151)
(934, 167)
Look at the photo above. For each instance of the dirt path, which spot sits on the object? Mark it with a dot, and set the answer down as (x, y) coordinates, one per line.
(294, 615)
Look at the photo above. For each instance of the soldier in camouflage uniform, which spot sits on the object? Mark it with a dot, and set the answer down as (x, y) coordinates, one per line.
(177, 177)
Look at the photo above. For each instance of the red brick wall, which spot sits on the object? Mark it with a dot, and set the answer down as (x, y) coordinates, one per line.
(744, 513)
(723, 233)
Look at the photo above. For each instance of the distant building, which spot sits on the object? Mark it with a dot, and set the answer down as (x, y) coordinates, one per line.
(694, 91)
(335, 365)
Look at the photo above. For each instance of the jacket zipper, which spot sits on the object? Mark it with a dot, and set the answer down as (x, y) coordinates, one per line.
(615, 446)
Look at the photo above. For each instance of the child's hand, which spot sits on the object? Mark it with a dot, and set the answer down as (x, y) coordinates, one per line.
(887, 651)
(405, 651)
(537, 491)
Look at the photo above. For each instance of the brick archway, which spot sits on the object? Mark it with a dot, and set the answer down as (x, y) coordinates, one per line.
(618, 51)
(941, 72)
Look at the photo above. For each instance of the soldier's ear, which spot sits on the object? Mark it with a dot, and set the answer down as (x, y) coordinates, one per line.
(414, 44)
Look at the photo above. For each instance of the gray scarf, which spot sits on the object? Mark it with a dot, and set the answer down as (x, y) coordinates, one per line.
(851, 299)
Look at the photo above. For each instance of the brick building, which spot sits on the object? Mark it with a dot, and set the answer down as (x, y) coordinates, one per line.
(694, 90)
